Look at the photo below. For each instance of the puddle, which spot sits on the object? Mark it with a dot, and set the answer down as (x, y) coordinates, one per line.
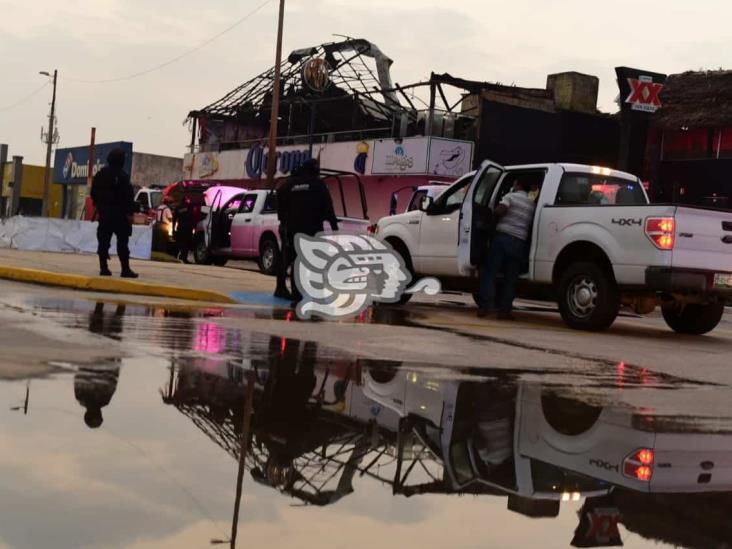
(334, 450)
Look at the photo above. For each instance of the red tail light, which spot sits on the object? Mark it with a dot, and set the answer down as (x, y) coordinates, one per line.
(639, 465)
(373, 229)
(662, 232)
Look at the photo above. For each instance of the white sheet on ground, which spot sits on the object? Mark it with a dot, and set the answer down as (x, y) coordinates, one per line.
(67, 235)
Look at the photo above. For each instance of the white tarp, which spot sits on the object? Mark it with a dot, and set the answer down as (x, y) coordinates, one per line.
(67, 235)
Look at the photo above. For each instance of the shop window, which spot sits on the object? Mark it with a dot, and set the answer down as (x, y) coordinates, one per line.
(686, 144)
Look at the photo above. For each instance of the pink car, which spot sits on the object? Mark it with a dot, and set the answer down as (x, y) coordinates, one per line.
(243, 224)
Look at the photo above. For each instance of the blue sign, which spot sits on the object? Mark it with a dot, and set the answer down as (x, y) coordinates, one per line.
(287, 161)
(71, 166)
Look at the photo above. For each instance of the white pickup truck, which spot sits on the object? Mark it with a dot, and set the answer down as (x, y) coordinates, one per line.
(596, 244)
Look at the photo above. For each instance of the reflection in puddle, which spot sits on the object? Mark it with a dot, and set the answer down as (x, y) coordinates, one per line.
(145, 450)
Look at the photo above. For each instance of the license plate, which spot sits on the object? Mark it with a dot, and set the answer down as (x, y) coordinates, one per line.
(723, 280)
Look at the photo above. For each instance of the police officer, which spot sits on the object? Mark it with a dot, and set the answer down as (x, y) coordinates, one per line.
(303, 205)
(114, 202)
(183, 228)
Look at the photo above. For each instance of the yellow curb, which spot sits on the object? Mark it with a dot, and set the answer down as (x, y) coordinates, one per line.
(112, 285)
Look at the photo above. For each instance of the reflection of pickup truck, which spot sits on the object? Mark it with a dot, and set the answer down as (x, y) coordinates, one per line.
(245, 226)
(621, 446)
(473, 427)
(596, 244)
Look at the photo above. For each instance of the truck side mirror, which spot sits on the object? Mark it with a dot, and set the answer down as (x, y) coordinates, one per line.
(425, 203)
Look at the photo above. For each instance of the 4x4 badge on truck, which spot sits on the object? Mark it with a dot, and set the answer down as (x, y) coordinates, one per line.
(627, 222)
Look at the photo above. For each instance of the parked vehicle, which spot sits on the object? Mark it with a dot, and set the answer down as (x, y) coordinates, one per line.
(596, 244)
(432, 190)
(245, 225)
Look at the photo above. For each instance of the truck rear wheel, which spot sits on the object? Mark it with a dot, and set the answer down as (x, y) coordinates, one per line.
(201, 253)
(692, 318)
(588, 297)
(269, 256)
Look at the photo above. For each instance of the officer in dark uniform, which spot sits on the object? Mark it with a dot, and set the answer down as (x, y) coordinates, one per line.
(303, 205)
(114, 202)
(183, 229)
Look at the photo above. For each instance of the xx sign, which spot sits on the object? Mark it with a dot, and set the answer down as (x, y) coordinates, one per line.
(645, 95)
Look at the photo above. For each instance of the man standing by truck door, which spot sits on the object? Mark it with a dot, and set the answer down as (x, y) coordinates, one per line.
(303, 205)
(114, 202)
(507, 252)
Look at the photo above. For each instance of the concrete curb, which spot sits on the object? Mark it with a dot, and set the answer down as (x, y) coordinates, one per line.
(111, 285)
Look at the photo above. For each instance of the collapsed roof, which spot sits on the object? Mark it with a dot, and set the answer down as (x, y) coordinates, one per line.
(696, 100)
(360, 90)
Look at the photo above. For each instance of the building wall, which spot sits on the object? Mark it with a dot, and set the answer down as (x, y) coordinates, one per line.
(150, 170)
(32, 190)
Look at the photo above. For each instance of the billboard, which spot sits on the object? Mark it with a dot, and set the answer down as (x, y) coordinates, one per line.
(422, 156)
(640, 90)
(71, 166)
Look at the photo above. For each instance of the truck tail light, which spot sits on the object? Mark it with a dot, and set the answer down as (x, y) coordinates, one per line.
(662, 232)
(373, 229)
(639, 465)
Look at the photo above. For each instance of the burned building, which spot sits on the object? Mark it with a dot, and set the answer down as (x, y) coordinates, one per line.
(688, 154)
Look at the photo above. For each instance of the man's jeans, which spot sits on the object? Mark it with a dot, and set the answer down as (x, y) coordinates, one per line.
(506, 253)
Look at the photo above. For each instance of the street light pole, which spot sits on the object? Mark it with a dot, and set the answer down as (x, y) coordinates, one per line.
(273, 123)
(50, 138)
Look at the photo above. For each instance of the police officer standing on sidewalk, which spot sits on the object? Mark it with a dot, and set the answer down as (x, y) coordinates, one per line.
(114, 202)
(303, 205)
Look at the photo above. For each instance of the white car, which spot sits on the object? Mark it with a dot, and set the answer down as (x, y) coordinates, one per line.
(596, 242)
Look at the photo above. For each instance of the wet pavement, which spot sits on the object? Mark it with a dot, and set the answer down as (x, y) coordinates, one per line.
(190, 432)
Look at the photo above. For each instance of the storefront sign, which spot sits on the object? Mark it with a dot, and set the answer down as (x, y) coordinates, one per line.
(71, 166)
(640, 90)
(422, 155)
(400, 156)
(412, 156)
(449, 157)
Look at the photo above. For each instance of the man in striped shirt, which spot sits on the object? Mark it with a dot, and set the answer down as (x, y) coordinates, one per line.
(507, 251)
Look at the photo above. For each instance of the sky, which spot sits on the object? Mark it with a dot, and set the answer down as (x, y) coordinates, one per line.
(517, 42)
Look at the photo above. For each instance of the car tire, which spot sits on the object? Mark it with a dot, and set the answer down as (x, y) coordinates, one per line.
(201, 253)
(220, 261)
(588, 297)
(269, 256)
(693, 318)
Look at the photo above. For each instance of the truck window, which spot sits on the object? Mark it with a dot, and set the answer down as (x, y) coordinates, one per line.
(142, 199)
(270, 204)
(532, 180)
(157, 199)
(416, 199)
(596, 190)
(247, 203)
(452, 197)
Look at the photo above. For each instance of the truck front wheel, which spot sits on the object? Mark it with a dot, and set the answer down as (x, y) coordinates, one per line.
(693, 318)
(269, 256)
(588, 297)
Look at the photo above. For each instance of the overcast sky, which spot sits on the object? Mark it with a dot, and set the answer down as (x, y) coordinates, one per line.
(519, 41)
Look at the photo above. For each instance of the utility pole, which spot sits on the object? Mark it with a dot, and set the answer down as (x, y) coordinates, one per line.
(3, 161)
(273, 123)
(50, 139)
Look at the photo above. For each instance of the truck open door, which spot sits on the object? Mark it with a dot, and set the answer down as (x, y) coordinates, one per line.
(475, 216)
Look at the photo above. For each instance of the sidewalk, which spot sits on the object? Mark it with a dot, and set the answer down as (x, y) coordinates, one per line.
(174, 280)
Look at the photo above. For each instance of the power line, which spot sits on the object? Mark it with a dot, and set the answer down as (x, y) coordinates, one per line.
(179, 57)
(24, 98)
